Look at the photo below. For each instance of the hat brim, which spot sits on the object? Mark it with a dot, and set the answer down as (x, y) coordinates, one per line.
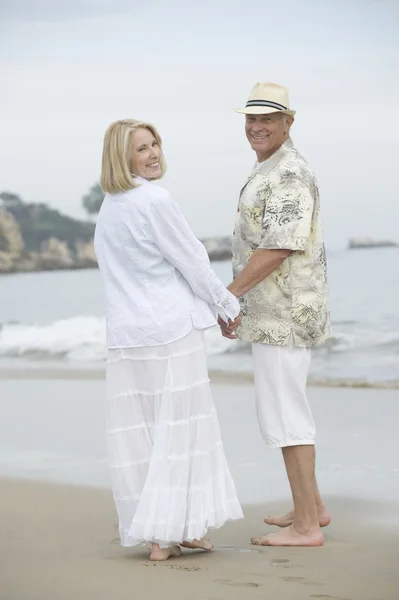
(263, 110)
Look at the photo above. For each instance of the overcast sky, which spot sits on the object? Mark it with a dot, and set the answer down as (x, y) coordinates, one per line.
(69, 68)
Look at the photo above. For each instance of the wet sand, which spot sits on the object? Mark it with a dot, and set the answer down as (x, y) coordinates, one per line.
(54, 430)
(60, 543)
(34, 372)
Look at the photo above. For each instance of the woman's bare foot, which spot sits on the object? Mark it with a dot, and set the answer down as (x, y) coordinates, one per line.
(201, 544)
(288, 519)
(290, 537)
(158, 553)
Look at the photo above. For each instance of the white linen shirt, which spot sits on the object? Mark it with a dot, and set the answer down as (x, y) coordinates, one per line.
(159, 284)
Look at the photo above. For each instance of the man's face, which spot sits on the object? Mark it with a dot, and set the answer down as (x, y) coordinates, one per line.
(266, 133)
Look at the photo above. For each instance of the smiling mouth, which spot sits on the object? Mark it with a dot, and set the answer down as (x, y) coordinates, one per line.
(259, 137)
(153, 165)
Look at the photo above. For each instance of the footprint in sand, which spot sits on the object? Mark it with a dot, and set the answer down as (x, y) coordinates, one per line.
(281, 562)
(327, 597)
(116, 541)
(236, 584)
(300, 580)
(244, 584)
(184, 567)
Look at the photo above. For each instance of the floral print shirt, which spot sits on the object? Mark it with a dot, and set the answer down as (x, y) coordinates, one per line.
(279, 207)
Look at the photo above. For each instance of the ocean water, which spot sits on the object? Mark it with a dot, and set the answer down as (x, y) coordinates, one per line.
(57, 318)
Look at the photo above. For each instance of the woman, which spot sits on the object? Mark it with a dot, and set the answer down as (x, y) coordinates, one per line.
(170, 478)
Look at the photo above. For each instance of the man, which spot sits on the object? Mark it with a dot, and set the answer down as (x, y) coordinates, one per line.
(280, 276)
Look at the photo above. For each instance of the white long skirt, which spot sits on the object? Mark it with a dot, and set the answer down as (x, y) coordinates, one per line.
(170, 478)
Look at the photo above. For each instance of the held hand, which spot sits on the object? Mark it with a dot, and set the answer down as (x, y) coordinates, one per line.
(228, 328)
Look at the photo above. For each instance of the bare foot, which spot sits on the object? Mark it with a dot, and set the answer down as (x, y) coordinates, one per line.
(158, 553)
(288, 519)
(201, 544)
(289, 537)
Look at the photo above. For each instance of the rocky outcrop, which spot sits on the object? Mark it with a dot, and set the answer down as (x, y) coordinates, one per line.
(53, 253)
(11, 241)
(367, 242)
(218, 248)
(85, 255)
(10, 234)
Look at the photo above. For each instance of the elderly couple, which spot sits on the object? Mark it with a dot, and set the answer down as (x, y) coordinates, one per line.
(170, 478)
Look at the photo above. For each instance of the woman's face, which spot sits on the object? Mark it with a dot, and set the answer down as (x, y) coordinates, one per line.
(145, 154)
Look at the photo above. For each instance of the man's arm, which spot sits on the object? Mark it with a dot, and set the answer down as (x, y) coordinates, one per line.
(259, 266)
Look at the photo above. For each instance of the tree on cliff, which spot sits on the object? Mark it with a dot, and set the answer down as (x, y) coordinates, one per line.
(9, 200)
(93, 200)
(39, 222)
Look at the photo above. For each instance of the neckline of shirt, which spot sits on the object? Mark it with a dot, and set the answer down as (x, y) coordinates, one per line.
(287, 144)
(140, 179)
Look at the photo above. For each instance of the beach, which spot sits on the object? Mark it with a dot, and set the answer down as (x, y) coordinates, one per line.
(71, 150)
(60, 542)
(59, 524)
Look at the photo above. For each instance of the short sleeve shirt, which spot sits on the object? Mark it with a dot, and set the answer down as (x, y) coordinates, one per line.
(279, 207)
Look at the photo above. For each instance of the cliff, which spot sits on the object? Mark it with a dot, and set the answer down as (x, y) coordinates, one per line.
(366, 242)
(34, 237)
(11, 241)
(50, 253)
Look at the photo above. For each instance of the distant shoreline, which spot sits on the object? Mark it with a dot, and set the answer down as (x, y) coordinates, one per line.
(216, 256)
(27, 373)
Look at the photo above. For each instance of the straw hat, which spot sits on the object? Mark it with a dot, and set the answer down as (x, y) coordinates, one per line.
(266, 98)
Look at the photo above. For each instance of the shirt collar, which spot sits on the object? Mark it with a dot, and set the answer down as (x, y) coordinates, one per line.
(267, 165)
(139, 179)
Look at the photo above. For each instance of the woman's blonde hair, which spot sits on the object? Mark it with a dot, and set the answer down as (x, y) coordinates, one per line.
(116, 175)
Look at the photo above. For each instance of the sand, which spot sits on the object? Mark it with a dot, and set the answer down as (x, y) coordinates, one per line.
(60, 543)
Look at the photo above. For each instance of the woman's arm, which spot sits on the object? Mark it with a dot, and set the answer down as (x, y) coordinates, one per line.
(180, 247)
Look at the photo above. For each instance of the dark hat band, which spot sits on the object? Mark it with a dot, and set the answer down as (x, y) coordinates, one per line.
(266, 103)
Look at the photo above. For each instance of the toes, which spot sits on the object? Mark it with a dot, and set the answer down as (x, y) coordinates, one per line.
(198, 545)
(271, 520)
(259, 541)
(278, 521)
(255, 541)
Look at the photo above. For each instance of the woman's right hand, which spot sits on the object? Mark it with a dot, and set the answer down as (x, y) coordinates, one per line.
(227, 329)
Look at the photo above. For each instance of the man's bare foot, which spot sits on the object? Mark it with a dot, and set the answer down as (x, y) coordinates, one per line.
(201, 544)
(288, 519)
(158, 553)
(289, 537)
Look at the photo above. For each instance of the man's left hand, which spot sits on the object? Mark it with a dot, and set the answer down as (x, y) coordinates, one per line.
(227, 329)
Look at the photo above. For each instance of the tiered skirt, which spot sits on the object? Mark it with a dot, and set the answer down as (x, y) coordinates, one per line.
(170, 478)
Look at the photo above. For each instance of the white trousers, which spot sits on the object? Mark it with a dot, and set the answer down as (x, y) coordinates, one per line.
(284, 414)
